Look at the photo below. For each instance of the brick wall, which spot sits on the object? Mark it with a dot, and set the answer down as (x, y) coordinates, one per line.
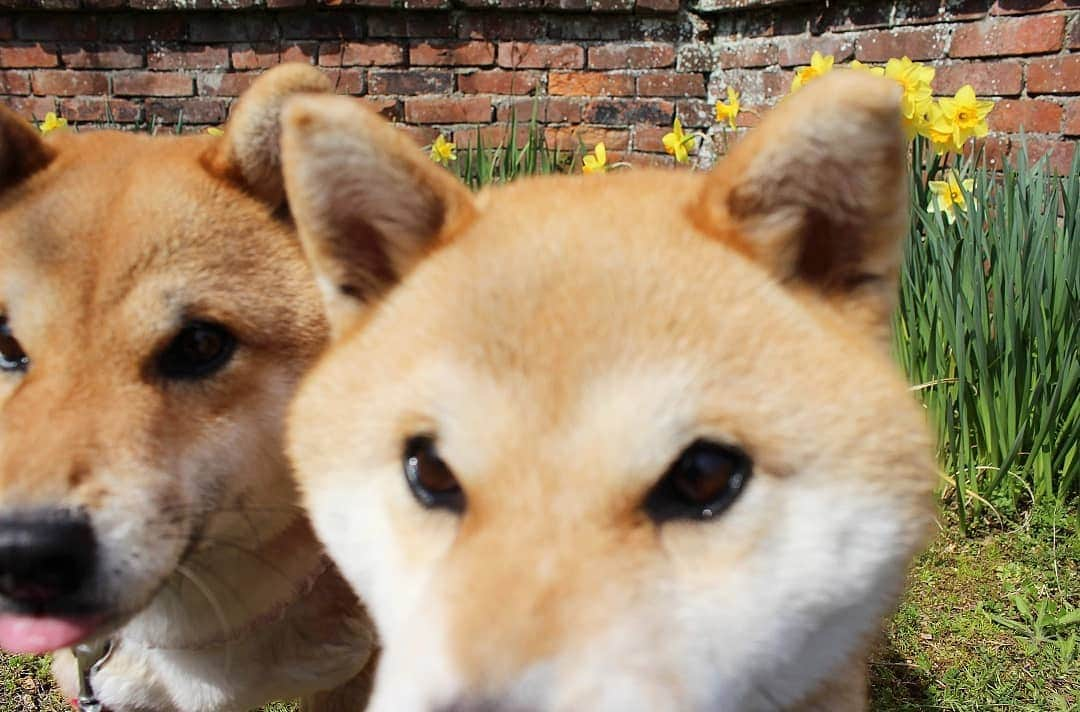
(611, 70)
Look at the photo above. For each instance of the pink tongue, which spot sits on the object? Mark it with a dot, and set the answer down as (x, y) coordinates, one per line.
(27, 634)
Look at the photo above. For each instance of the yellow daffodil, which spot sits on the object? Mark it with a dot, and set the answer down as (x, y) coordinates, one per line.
(860, 67)
(596, 162)
(729, 111)
(938, 129)
(51, 123)
(678, 144)
(215, 131)
(965, 114)
(949, 194)
(915, 80)
(443, 151)
(818, 65)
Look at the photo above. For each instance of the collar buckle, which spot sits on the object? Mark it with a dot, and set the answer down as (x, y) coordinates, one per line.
(89, 657)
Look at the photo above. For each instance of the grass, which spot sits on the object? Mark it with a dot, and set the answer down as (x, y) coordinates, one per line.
(965, 636)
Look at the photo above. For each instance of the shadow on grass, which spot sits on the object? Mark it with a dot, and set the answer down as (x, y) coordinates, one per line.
(896, 685)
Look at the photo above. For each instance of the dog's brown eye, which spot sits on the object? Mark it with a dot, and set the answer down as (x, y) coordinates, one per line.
(702, 483)
(429, 478)
(12, 356)
(199, 350)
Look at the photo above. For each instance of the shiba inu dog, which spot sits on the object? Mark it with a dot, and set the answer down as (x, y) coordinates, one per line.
(635, 442)
(156, 312)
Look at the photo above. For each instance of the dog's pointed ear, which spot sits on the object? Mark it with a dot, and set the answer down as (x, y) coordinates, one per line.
(22, 150)
(250, 151)
(817, 193)
(368, 203)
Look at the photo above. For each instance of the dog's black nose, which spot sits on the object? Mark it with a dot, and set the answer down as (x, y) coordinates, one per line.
(44, 555)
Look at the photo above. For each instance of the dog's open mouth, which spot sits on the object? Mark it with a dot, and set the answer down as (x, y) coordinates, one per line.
(43, 634)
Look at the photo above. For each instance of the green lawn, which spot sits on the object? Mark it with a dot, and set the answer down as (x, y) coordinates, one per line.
(965, 636)
(960, 641)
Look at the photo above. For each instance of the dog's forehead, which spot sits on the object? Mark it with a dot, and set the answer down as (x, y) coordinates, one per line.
(120, 218)
(610, 317)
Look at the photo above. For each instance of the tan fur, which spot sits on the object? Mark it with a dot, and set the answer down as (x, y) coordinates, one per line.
(562, 340)
(110, 242)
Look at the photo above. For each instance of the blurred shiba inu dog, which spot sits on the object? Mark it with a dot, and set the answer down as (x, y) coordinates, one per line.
(156, 313)
(620, 443)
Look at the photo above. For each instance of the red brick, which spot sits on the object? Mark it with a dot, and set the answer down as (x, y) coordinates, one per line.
(992, 150)
(299, 52)
(696, 57)
(571, 5)
(500, 26)
(1059, 153)
(498, 81)
(752, 52)
(650, 138)
(498, 135)
(408, 82)
(50, 26)
(612, 5)
(14, 83)
(658, 6)
(147, 27)
(152, 84)
(795, 51)
(757, 88)
(259, 55)
(191, 111)
(590, 84)
(596, 28)
(1030, 115)
(420, 135)
(388, 107)
(360, 54)
(1054, 75)
(347, 81)
(30, 107)
(447, 110)
(570, 138)
(624, 112)
(18, 55)
(696, 112)
(1025, 7)
(671, 84)
(632, 56)
(1071, 125)
(1037, 34)
(113, 56)
(410, 24)
(548, 111)
(320, 25)
(237, 27)
(63, 82)
(100, 110)
(221, 83)
(643, 160)
(526, 55)
(987, 78)
(920, 44)
(454, 54)
(188, 57)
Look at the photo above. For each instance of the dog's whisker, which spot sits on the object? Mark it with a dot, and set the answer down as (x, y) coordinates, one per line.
(208, 593)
